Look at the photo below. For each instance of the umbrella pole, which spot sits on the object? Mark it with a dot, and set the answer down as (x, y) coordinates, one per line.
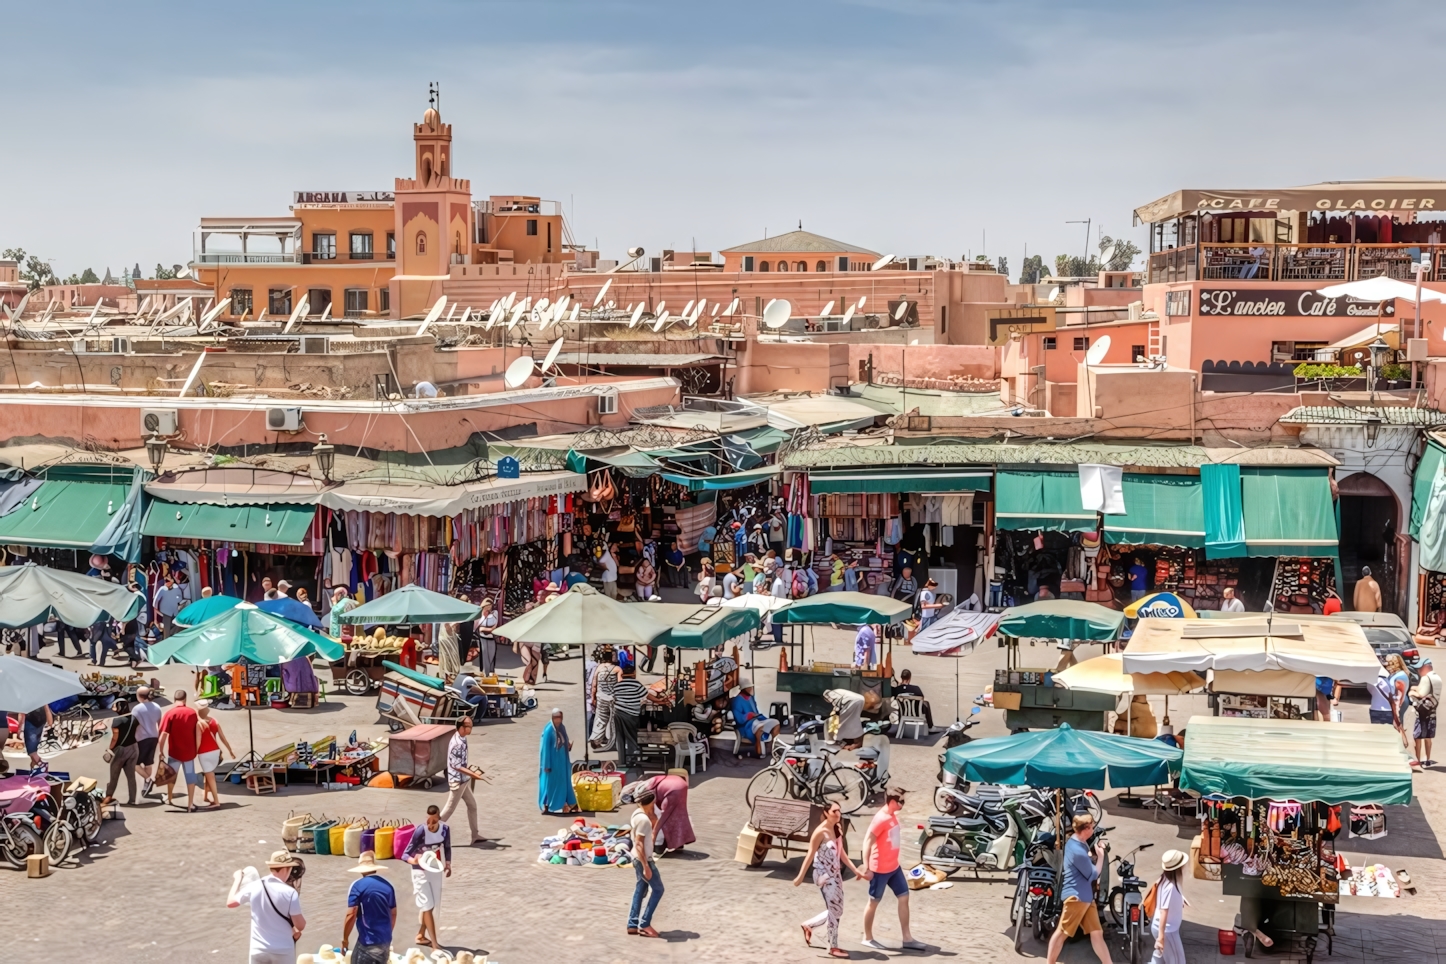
(586, 723)
(956, 689)
(251, 759)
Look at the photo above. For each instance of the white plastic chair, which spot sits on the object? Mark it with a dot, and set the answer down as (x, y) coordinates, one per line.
(687, 744)
(911, 713)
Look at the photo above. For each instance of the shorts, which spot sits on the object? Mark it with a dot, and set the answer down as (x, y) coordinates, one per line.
(1383, 716)
(1079, 915)
(208, 761)
(1425, 728)
(147, 750)
(894, 880)
(187, 768)
(371, 954)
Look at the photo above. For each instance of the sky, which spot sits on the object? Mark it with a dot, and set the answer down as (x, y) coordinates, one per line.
(905, 126)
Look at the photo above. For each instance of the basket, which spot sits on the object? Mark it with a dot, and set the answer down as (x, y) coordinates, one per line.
(369, 840)
(351, 840)
(337, 844)
(291, 829)
(401, 838)
(382, 843)
(320, 834)
(595, 792)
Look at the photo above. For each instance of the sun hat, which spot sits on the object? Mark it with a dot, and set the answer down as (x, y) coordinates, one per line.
(368, 864)
(430, 863)
(1172, 860)
(281, 858)
(744, 683)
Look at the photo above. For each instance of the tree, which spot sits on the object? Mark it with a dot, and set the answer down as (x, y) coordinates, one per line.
(1124, 253)
(164, 273)
(88, 277)
(33, 271)
(1032, 271)
(1075, 266)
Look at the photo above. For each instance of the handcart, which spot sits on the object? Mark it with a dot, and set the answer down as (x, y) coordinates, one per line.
(419, 752)
(361, 670)
(408, 698)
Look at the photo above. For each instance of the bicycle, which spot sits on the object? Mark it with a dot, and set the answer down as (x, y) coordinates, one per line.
(812, 777)
(1125, 903)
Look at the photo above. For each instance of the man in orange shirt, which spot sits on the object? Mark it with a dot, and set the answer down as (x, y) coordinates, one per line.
(881, 857)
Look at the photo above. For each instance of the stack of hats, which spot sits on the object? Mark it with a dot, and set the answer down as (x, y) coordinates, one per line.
(587, 843)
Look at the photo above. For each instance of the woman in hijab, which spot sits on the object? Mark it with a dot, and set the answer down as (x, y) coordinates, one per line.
(554, 776)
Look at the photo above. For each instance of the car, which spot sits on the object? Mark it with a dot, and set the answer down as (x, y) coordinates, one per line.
(1386, 633)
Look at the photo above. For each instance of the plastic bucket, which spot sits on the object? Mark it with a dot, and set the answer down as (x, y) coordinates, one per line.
(401, 838)
(1227, 942)
(322, 837)
(382, 844)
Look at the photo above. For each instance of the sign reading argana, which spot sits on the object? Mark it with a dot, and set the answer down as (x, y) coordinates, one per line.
(1399, 195)
(1286, 304)
(343, 197)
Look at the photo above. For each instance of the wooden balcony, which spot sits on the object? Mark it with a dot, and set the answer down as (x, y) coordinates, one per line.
(1288, 262)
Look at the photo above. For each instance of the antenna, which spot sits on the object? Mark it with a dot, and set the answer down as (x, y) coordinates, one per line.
(1098, 350)
(602, 291)
(552, 354)
(432, 315)
(827, 309)
(900, 311)
(637, 316)
(777, 313)
(886, 259)
(519, 372)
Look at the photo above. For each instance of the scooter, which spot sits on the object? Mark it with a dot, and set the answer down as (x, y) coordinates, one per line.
(957, 735)
(873, 756)
(990, 841)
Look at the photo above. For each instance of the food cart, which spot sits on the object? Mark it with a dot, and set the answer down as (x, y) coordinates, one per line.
(1028, 696)
(1274, 795)
(361, 670)
(419, 752)
(409, 698)
(808, 681)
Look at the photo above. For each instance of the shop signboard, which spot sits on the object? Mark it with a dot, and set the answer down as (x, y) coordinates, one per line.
(508, 468)
(1287, 303)
(342, 197)
(1006, 322)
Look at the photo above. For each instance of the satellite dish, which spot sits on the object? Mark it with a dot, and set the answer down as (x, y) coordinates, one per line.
(1106, 256)
(507, 302)
(516, 314)
(848, 315)
(886, 259)
(687, 309)
(495, 316)
(659, 310)
(602, 291)
(610, 305)
(519, 372)
(261, 317)
(635, 252)
(1052, 294)
(662, 320)
(777, 313)
(733, 306)
(451, 311)
(827, 309)
(432, 315)
(900, 311)
(527, 303)
(637, 316)
(862, 299)
(542, 303)
(1098, 350)
(575, 310)
(560, 309)
(698, 309)
(717, 308)
(493, 307)
(326, 312)
(552, 354)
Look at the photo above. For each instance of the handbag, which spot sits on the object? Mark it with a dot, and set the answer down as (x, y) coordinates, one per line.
(1151, 897)
(165, 774)
(291, 829)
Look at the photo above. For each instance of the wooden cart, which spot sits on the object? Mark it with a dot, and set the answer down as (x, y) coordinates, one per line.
(419, 752)
(360, 671)
(408, 698)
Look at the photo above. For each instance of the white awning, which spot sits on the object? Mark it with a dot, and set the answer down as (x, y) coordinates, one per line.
(403, 498)
(1320, 646)
(1391, 334)
(236, 485)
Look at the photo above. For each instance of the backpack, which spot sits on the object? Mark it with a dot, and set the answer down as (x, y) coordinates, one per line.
(800, 585)
(1429, 702)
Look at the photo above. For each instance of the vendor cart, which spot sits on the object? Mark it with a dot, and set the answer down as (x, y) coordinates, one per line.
(408, 698)
(419, 752)
(361, 670)
(809, 681)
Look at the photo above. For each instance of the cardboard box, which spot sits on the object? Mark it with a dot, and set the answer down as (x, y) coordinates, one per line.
(37, 865)
(1007, 701)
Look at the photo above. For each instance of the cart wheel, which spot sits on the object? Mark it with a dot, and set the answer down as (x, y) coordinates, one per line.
(427, 783)
(358, 683)
(394, 727)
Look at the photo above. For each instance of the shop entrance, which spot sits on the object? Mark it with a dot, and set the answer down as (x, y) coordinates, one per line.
(1370, 516)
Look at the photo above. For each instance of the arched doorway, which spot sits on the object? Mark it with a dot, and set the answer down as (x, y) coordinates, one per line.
(1370, 521)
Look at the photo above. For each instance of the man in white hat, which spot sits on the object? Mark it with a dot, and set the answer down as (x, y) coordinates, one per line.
(752, 725)
(372, 909)
(276, 921)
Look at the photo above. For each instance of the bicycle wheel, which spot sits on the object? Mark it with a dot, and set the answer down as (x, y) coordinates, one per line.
(87, 812)
(1134, 940)
(58, 842)
(17, 841)
(766, 783)
(845, 786)
(940, 848)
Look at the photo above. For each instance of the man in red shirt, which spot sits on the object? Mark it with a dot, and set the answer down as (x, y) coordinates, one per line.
(177, 747)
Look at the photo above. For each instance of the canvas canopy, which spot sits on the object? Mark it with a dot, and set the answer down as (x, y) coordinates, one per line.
(849, 608)
(1106, 674)
(412, 605)
(582, 616)
(1333, 648)
(1065, 757)
(954, 633)
(203, 609)
(702, 627)
(1301, 760)
(28, 684)
(32, 594)
(281, 524)
(1378, 196)
(448, 500)
(1062, 619)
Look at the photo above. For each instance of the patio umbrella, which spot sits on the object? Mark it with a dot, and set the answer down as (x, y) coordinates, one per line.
(292, 609)
(955, 634)
(1065, 758)
(1379, 289)
(412, 606)
(244, 632)
(32, 594)
(1160, 604)
(27, 684)
(1062, 619)
(203, 609)
(849, 608)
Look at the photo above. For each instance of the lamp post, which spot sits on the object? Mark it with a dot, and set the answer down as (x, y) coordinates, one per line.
(1378, 349)
(1420, 269)
(325, 455)
(156, 449)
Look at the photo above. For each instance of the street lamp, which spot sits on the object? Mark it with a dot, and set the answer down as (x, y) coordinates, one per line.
(1378, 349)
(1420, 269)
(325, 455)
(1373, 429)
(156, 448)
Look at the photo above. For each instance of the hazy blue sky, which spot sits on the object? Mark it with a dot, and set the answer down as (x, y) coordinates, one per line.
(908, 126)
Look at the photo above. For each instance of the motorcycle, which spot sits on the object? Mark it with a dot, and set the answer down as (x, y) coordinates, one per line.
(992, 840)
(20, 828)
(957, 734)
(1126, 906)
(873, 757)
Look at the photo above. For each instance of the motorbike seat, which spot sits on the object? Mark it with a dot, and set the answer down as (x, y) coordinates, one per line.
(868, 753)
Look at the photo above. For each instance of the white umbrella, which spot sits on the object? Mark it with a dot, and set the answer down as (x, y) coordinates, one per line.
(956, 633)
(27, 684)
(1379, 289)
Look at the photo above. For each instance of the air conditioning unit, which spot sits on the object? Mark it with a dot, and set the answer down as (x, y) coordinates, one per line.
(159, 421)
(78, 346)
(607, 404)
(283, 420)
(120, 346)
(315, 345)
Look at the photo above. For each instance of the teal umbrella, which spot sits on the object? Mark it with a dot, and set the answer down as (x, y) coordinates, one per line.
(203, 609)
(849, 608)
(244, 632)
(31, 594)
(1062, 619)
(1065, 758)
(412, 606)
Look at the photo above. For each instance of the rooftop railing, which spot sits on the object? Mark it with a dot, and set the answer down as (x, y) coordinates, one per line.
(1288, 262)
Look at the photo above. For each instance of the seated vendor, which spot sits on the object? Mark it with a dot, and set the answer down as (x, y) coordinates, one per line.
(752, 725)
(471, 692)
(906, 687)
(1430, 632)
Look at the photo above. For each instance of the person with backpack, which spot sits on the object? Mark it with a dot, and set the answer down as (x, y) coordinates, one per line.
(276, 920)
(1425, 699)
(1165, 905)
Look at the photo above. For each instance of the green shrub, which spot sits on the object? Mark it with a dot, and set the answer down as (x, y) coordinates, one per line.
(1312, 370)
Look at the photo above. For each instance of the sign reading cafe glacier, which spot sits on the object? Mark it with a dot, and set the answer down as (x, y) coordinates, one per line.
(1286, 304)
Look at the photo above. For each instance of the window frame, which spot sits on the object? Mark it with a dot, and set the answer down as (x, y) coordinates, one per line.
(1081, 343)
(1049, 343)
(821, 267)
(391, 245)
(748, 262)
(530, 226)
(349, 297)
(352, 249)
(323, 245)
(280, 301)
(242, 301)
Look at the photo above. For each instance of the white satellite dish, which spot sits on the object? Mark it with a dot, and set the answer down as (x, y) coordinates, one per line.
(662, 320)
(451, 311)
(610, 305)
(777, 313)
(862, 299)
(698, 308)
(527, 303)
(637, 316)
(516, 315)
(1106, 256)
(1098, 350)
(560, 309)
(659, 310)
(717, 308)
(519, 372)
(495, 316)
(509, 300)
(552, 354)
(326, 312)
(827, 309)
(296, 313)
(432, 315)
(542, 303)
(687, 309)
(575, 310)
(493, 307)
(901, 311)
(602, 291)
(733, 306)
(261, 317)
(848, 315)
(1052, 294)
(886, 259)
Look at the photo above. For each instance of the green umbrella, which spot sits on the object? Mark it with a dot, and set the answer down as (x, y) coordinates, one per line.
(244, 632)
(1065, 758)
(32, 594)
(694, 626)
(849, 608)
(412, 606)
(1062, 619)
(203, 609)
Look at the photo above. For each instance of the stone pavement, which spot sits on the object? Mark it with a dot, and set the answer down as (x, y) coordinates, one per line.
(154, 888)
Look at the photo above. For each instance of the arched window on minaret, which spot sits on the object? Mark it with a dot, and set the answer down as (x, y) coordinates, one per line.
(421, 243)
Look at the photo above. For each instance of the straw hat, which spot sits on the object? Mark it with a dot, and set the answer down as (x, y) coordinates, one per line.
(1173, 860)
(368, 864)
(281, 858)
(430, 863)
(744, 683)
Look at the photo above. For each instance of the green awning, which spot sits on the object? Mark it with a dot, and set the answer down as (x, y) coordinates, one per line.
(1040, 499)
(1062, 619)
(629, 462)
(1288, 512)
(1224, 514)
(1330, 763)
(736, 480)
(67, 512)
(764, 439)
(278, 525)
(849, 608)
(912, 478)
(702, 627)
(1161, 510)
(1426, 471)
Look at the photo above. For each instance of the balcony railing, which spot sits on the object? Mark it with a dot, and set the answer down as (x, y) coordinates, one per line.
(361, 256)
(237, 257)
(1289, 262)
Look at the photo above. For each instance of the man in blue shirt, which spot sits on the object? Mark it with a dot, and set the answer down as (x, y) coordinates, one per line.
(1082, 868)
(1139, 579)
(372, 909)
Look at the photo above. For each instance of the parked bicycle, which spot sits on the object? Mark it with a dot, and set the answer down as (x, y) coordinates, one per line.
(808, 773)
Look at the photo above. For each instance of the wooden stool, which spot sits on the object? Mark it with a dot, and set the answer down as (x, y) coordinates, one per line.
(261, 779)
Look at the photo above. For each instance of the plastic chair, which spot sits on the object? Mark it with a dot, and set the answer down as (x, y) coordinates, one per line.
(911, 713)
(211, 688)
(239, 687)
(273, 688)
(688, 745)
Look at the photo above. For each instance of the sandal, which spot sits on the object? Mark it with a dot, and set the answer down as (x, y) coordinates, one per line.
(837, 952)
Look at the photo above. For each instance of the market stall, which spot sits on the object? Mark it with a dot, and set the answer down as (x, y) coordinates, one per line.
(409, 606)
(1275, 795)
(1105, 675)
(954, 635)
(809, 681)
